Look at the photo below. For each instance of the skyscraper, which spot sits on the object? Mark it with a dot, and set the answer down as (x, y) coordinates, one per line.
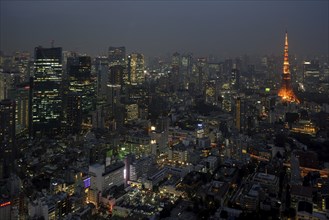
(102, 70)
(286, 92)
(202, 70)
(238, 113)
(22, 96)
(136, 68)
(174, 77)
(117, 56)
(311, 71)
(73, 113)
(186, 69)
(114, 89)
(47, 83)
(235, 78)
(116, 75)
(241, 109)
(81, 80)
(7, 137)
(210, 92)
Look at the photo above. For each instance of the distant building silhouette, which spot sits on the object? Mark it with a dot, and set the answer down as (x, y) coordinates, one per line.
(117, 56)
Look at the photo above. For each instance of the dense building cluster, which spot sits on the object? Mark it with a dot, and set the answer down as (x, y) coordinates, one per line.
(180, 137)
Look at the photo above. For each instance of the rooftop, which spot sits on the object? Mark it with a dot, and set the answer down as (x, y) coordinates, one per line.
(265, 176)
(303, 191)
(113, 167)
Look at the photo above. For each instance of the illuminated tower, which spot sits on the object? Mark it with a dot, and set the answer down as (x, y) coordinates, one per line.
(286, 92)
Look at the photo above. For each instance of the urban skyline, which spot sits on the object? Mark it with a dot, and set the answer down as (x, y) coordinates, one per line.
(223, 29)
(206, 111)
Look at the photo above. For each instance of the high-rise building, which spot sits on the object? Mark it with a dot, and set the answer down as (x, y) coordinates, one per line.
(227, 66)
(235, 78)
(211, 92)
(2, 85)
(102, 70)
(132, 111)
(186, 69)
(175, 77)
(73, 113)
(8, 81)
(22, 63)
(286, 92)
(202, 69)
(238, 113)
(22, 96)
(116, 76)
(7, 137)
(136, 68)
(47, 86)
(311, 73)
(117, 56)
(81, 80)
(241, 109)
(115, 88)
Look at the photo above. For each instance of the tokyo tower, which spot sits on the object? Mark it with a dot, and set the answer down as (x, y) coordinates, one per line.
(286, 93)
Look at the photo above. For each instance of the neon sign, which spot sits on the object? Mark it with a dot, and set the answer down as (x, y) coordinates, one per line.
(87, 182)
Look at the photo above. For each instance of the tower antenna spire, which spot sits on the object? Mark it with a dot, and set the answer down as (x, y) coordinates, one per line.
(286, 92)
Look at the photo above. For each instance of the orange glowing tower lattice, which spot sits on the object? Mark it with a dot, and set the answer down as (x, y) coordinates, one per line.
(286, 93)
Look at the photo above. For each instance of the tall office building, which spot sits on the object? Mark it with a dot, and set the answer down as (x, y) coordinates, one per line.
(210, 92)
(311, 72)
(47, 85)
(174, 77)
(102, 70)
(73, 112)
(286, 93)
(81, 80)
(116, 75)
(22, 96)
(136, 68)
(114, 88)
(7, 137)
(117, 56)
(202, 68)
(115, 84)
(8, 81)
(235, 78)
(239, 114)
(2, 85)
(186, 70)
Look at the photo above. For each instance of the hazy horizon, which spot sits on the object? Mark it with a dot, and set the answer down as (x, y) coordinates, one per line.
(158, 28)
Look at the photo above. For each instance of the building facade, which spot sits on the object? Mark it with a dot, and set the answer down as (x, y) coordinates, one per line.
(47, 88)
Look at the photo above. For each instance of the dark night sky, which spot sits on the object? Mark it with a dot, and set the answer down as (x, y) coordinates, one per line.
(222, 28)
